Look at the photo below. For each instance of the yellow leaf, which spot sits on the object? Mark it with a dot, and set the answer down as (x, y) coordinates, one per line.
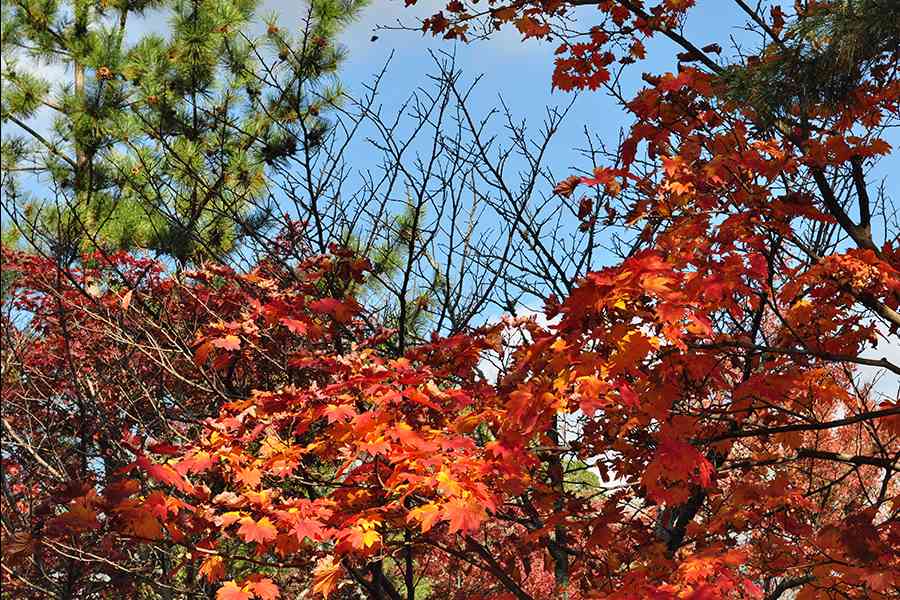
(370, 538)
(427, 515)
(213, 568)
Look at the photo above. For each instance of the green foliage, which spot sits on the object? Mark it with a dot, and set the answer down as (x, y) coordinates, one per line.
(160, 142)
(580, 477)
(819, 59)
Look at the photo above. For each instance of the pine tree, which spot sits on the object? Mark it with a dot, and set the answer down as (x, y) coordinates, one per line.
(157, 142)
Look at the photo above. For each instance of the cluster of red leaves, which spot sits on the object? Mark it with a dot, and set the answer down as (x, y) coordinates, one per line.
(580, 64)
(333, 444)
(337, 453)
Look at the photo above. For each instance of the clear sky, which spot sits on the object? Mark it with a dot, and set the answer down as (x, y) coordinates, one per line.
(520, 72)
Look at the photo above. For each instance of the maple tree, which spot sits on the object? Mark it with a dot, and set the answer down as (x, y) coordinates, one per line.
(691, 421)
(754, 284)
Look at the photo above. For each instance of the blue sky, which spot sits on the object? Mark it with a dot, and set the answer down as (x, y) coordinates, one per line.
(521, 72)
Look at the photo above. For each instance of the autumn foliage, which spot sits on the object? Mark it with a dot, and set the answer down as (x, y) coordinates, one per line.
(258, 434)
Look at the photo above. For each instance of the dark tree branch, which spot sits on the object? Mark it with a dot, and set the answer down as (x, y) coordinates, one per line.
(867, 416)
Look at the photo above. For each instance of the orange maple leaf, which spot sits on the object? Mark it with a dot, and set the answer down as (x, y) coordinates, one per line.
(464, 514)
(427, 515)
(250, 477)
(336, 413)
(141, 522)
(213, 568)
(79, 517)
(126, 299)
(565, 187)
(326, 577)
(231, 591)
(164, 473)
(265, 589)
(261, 531)
(202, 353)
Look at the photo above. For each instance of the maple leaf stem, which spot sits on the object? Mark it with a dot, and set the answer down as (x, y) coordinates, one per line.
(754, 332)
(409, 573)
(859, 234)
(30, 449)
(373, 588)
(884, 463)
(802, 453)
(497, 570)
(380, 583)
(555, 470)
(859, 181)
(47, 593)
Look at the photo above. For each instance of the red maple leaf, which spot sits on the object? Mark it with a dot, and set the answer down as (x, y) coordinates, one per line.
(295, 326)
(307, 528)
(164, 473)
(342, 311)
(464, 515)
